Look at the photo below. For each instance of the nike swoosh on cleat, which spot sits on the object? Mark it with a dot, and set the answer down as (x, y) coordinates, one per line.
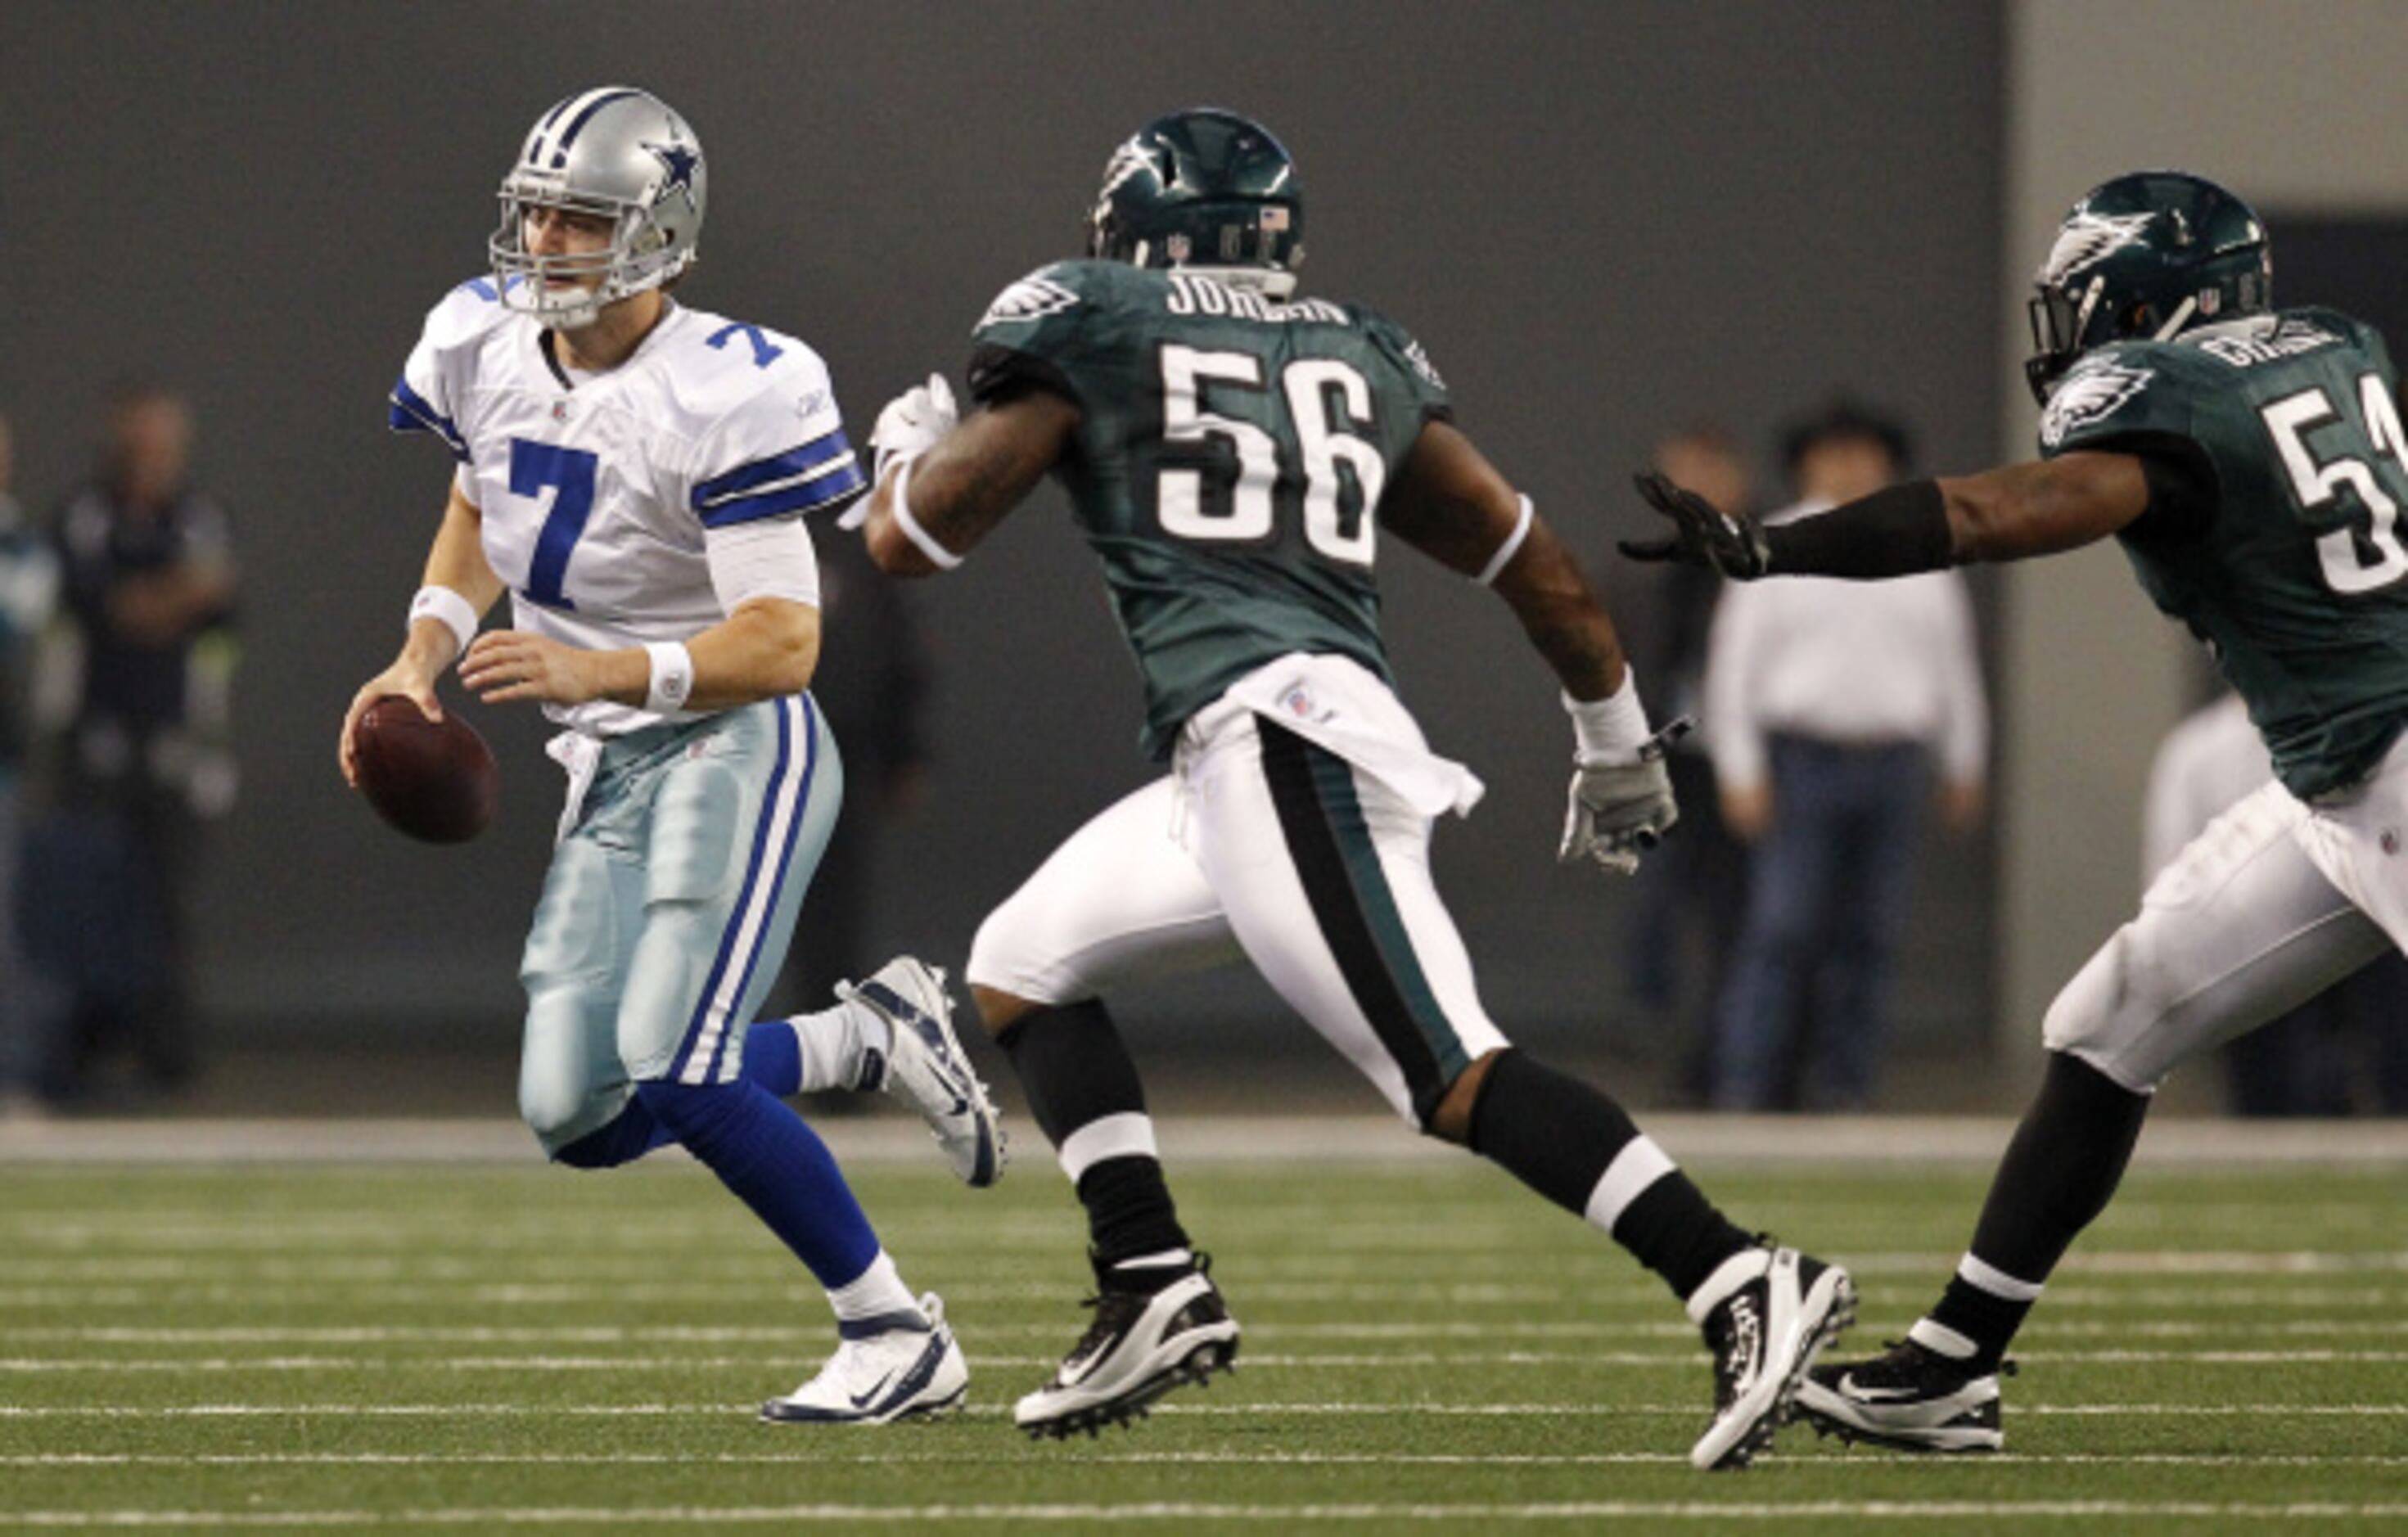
(1849, 1385)
(863, 1401)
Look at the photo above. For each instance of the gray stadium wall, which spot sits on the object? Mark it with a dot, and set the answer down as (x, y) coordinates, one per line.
(1605, 220)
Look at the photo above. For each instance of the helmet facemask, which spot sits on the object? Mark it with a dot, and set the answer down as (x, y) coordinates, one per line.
(617, 154)
(634, 260)
(2059, 319)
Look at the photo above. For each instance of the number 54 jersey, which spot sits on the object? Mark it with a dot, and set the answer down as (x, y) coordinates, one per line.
(599, 491)
(2282, 550)
(1230, 458)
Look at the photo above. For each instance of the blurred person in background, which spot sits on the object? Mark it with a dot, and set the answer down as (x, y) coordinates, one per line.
(1695, 888)
(1827, 707)
(147, 754)
(28, 589)
(2342, 1050)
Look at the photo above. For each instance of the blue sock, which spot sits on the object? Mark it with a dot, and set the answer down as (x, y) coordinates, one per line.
(777, 1166)
(773, 1057)
(628, 1137)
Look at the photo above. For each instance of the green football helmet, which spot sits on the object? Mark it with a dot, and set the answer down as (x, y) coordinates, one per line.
(1204, 190)
(2144, 255)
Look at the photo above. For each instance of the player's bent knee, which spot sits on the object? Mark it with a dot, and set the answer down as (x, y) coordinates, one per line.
(999, 1011)
(1014, 968)
(562, 1112)
(2115, 1016)
(631, 1134)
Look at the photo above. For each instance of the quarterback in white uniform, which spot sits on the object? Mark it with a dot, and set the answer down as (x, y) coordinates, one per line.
(635, 474)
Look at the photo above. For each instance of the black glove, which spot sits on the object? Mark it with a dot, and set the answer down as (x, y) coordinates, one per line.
(1702, 534)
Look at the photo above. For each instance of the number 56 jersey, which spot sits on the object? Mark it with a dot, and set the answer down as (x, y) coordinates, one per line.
(599, 491)
(1229, 461)
(2282, 550)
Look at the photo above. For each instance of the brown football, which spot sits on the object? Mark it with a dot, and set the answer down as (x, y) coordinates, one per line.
(434, 779)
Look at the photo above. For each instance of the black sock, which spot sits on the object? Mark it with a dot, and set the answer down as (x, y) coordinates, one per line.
(1560, 1137)
(2059, 1173)
(1076, 1073)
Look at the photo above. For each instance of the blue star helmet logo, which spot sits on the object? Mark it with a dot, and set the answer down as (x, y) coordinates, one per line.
(679, 162)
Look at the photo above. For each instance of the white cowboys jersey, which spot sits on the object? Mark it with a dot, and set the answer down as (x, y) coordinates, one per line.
(597, 490)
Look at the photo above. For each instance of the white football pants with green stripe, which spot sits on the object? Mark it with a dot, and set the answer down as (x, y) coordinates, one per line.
(1263, 844)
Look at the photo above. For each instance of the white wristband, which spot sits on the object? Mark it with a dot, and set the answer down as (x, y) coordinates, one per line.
(672, 676)
(457, 613)
(1506, 550)
(900, 500)
(1609, 730)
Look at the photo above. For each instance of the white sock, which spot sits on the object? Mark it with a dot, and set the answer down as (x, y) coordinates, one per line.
(878, 1292)
(1940, 1339)
(844, 1047)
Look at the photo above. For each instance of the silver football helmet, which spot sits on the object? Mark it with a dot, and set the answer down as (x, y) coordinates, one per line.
(617, 152)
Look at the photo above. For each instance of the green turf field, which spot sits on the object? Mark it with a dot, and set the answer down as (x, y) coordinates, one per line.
(1426, 1348)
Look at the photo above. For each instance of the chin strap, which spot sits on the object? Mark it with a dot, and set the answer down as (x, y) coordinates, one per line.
(2174, 323)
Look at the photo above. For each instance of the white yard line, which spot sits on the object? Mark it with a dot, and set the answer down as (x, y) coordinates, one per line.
(1908, 1143)
(810, 1455)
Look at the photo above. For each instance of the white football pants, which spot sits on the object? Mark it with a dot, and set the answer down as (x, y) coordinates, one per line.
(2275, 901)
(1263, 844)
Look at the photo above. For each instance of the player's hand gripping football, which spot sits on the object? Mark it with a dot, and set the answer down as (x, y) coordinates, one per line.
(409, 676)
(907, 428)
(1620, 810)
(1732, 543)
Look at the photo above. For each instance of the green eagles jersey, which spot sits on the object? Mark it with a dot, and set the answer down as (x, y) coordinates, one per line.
(1228, 465)
(2282, 550)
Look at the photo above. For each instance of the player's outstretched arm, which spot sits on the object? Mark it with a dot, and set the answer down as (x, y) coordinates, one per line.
(456, 561)
(2011, 513)
(2043, 506)
(930, 508)
(1453, 506)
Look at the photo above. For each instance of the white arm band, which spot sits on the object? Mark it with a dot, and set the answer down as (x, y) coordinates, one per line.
(457, 613)
(1505, 552)
(672, 676)
(768, 557)
(938, 556)
(1609, 730)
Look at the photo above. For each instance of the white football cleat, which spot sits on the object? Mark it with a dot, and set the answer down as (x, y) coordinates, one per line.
(1767, 1312)
(875, 1378)
(925, 1067)
(1139, 1347)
